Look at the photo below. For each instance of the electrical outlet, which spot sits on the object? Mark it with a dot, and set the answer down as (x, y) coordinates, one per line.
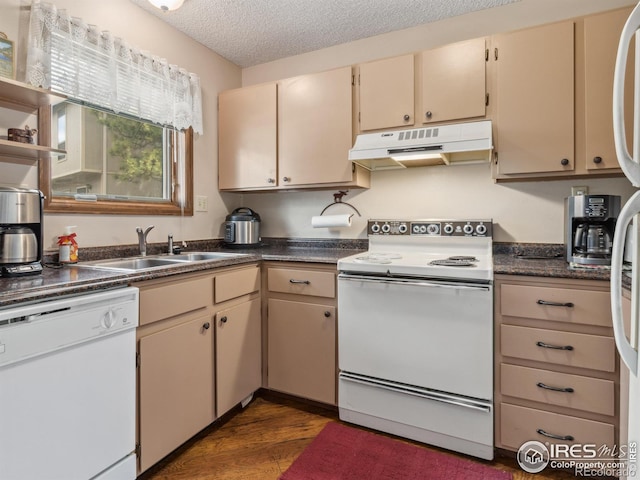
(579, 190)
(202, 203)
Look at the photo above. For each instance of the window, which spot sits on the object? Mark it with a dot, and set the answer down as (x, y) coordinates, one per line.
(116, 164)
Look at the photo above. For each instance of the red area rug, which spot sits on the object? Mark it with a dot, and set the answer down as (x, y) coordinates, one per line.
(344, 453)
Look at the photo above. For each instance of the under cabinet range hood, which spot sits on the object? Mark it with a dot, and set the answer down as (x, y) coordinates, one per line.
(418, 147)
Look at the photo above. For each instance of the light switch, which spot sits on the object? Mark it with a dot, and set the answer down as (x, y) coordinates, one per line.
(202, 203)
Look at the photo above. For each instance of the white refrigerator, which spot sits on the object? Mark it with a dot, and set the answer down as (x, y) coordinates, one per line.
(627, 342)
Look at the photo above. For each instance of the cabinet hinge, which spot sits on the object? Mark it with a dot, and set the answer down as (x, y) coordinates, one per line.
(137, 359)
(353, 80)
(358, 117)
(486, 55)
(495, 158)
(138, 449)
(495, 53)
(486, 100)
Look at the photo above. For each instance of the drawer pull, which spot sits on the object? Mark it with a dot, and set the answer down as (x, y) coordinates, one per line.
(568, 438)
(555, 389)
(555, 304)
(554, 347)
(304, 282)
(223, 319)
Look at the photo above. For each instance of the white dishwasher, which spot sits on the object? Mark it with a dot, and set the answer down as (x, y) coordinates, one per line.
(67, 388)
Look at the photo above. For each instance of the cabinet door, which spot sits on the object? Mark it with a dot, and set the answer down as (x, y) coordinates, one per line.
(386, 93)
(601, 38)
(315, 128)
(454, 82)
(175, 387)
(535, 106)
(247, 152)
(302, 350)
(238, 354)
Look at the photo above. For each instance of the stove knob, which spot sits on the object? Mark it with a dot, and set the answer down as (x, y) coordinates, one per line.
(481, 229)
(402, 228)
(375, 228)
(448, 229)
(386, 228)
(468, 229)
(416, 229)
(433, 229)
(423, 229)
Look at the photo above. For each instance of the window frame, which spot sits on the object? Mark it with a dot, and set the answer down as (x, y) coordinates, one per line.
(69, 205)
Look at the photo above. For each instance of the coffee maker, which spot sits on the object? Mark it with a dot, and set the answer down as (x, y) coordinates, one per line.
(20, 231)
(590, 221)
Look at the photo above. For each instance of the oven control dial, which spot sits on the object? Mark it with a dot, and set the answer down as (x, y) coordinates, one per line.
(402, 228)
(468, 229)
(375, 228)
(386, 228)
(481, 229)
(433, 229)
(448, 229)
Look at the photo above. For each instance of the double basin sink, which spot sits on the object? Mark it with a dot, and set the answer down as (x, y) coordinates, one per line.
(159, 261)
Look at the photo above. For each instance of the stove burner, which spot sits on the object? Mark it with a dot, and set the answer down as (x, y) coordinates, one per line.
(463, 258)
(380, 258)
(455, 261)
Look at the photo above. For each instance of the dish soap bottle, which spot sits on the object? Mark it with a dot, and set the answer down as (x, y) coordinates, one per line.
(67, 246)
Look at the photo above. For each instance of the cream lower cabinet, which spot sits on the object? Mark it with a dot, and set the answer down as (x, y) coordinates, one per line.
(301, 331)
(192, 366)
(556, 367)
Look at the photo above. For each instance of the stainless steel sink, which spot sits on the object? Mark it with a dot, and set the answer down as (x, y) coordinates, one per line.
(159, 261)
(136, 263)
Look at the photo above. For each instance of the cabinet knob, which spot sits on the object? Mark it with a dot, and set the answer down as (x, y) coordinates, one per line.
(564, 162)
(597, 160)
(206, 326)
(271, 180)
(406, 118)
(286, 179)
(428, 114)
(223, 319)
(327, 313)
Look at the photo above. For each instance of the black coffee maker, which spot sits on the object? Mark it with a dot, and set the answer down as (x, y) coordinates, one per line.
(590, 221)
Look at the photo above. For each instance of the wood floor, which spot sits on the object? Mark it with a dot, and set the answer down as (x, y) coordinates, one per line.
(261, 441)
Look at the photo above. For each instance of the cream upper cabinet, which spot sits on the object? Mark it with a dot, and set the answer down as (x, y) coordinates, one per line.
(386, 93)
(247, 148)
(314, 128)
(601, 38)
(453, 82)
(535, 100)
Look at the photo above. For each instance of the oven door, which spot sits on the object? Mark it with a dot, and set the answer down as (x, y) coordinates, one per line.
(431, 334)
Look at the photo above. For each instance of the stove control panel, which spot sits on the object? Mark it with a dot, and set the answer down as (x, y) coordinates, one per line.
(431, 228)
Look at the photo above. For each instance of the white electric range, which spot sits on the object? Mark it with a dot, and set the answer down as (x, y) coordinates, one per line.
(415, 335)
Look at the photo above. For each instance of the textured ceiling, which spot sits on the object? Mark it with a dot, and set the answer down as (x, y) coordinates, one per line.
(250, 32)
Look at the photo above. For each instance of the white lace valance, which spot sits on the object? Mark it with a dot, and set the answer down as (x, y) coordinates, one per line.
(68, 56)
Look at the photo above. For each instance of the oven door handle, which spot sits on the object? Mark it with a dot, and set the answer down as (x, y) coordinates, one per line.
(414, 283)
(424, 393)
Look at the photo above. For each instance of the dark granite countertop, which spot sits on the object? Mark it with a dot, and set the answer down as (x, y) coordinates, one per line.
(542, 260)
(64, 280)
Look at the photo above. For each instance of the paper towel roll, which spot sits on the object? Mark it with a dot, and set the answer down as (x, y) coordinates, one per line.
(328, 221)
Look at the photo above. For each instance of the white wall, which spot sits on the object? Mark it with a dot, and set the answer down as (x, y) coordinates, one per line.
(523, 211)
(145, 31)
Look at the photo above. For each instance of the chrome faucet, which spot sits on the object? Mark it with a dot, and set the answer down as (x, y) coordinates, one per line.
(170, 244)
(142, 239)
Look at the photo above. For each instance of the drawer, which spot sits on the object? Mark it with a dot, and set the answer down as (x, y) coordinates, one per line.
(237, 283)
(302, 282)
(596, 352)
(588, 394)
(520, 424)
(174, 298)
(588, 307)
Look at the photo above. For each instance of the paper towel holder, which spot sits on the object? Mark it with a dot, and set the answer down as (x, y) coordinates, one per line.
(337, 199)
